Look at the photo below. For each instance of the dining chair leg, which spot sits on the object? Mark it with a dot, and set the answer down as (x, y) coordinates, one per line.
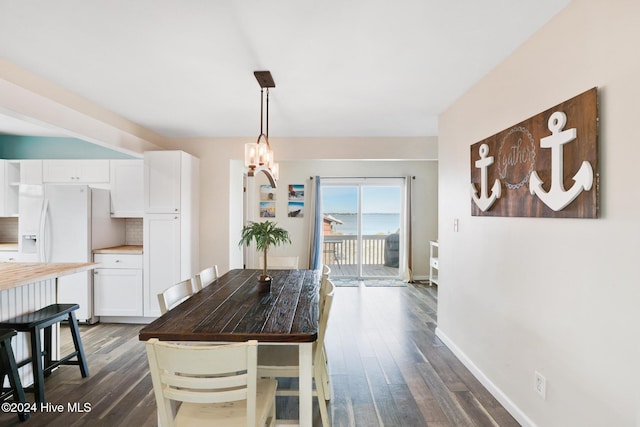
(320, 391)
(325, 376)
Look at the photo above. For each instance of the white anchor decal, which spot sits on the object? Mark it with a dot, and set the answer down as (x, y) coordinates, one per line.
(485, 201)
(558, 198)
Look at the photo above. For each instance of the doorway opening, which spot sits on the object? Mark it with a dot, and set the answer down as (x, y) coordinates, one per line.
(363, 223)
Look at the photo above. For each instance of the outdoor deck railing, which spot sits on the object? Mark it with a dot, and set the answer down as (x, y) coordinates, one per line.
(343, 249)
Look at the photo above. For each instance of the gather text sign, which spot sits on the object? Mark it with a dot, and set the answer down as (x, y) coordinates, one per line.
(545, 166)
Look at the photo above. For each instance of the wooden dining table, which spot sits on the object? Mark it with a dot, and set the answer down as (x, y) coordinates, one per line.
(234, 308)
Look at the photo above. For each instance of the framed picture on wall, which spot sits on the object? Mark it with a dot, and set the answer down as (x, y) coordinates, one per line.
(267, 209)
(296, 210)
(267, 193)
(296, 192)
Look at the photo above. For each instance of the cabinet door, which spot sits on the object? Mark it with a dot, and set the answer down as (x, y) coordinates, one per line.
(9, 185)
(162, 171)
(75, 171)
(4, 189)
(93, 171)
(117, 292)
(30, 171)
(127, 188)
(161, 258)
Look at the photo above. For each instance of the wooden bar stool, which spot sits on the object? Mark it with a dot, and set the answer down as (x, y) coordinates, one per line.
(8, 367)
(43, 319)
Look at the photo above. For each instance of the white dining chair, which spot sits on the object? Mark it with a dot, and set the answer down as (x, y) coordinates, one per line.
(217, 385)
(280, 262)
(282, 361)
(174, 295)
(324, 290)
(205, 278)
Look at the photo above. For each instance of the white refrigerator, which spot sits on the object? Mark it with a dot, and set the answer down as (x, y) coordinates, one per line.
(64, 223)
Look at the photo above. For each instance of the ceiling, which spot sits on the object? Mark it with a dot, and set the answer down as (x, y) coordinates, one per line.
(184, 68)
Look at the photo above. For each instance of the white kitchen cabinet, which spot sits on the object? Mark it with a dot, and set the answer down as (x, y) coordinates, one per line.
(127, 188)
(31, 172)
(75, 171)
(171, 221)
(9, 186)
(163, 179)
(118, 285)
(8, 256)
(162, 257)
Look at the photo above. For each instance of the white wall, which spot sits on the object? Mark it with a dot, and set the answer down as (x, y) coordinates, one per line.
(221, 183)
(425, 199)
(559, 296)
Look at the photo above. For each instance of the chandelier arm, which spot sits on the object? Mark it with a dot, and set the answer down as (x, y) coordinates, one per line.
(266, 139)
(261, 111)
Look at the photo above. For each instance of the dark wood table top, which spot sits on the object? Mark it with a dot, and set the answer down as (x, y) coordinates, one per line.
(233, 309)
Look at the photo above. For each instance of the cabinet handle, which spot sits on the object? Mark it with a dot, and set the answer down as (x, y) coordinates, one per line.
(117, 260)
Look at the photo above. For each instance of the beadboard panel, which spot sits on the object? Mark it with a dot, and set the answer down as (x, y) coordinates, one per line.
(20, 300)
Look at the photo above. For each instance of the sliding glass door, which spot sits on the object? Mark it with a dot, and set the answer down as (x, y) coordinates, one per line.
(363, 222)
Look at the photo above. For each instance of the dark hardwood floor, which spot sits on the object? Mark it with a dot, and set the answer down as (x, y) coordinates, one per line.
(387, 369)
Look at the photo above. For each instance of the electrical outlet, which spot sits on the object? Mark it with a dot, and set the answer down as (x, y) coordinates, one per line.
(540, 384)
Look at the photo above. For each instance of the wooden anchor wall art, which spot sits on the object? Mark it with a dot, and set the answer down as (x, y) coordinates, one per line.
(545, 166)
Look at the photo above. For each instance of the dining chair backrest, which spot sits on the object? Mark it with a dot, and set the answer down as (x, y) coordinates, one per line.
(324, 283)
(280, 262)
(203, 375)
(205, 278)
(326, 270)
(323, 319)
(174, 295)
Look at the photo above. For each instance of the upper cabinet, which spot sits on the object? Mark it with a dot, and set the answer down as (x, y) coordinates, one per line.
(127, 188)
(9, 186)
(31, 172)
(75, 171)
(163, 171)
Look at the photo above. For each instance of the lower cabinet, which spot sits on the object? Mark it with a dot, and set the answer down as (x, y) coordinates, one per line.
(8, 256)
(162, 258)
(117, 287)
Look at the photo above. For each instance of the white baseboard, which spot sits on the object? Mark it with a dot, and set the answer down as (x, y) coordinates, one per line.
(127, 319)
(504, 400)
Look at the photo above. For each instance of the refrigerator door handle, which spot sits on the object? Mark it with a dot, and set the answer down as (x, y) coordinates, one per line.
(43, 223)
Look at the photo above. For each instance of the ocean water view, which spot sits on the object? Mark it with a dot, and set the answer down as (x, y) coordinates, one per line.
(372, 223)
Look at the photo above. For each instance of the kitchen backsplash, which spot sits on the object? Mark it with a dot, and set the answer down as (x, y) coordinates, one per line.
(133, 231)
(9, 229)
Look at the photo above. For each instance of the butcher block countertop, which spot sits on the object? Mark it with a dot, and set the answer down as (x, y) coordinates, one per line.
(14, 274)
(124, 249)
(9, 247)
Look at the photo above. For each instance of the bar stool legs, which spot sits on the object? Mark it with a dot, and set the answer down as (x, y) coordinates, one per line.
(41, 357)
(77, 344)
(9, 367)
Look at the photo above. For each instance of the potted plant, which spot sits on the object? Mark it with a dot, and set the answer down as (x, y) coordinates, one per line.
(265, 234)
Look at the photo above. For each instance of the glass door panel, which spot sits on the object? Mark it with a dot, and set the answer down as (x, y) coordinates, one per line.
(362, 227)
(380, 217)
